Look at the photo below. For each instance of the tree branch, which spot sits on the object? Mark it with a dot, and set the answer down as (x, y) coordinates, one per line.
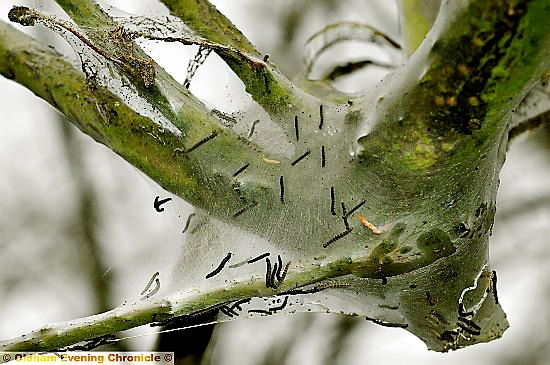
(359, 274)
(490, 71)
(267, 85)
(209, 23)
(430, 143)
(529, 124)
(533, 111)
(167, 157)
(417, 17)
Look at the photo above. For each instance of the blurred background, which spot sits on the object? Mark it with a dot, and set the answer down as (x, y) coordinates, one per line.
(79, 235)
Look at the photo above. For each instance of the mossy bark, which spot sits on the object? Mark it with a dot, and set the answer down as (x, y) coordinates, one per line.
(418, 156)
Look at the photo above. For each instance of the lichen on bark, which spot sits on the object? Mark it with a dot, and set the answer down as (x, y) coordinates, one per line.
(381, 207)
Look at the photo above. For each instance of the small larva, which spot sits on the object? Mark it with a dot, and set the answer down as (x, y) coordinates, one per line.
(149, 283)
(281, 307)
(337, 237)
(220, 266)
(258, 258)
(302, 156)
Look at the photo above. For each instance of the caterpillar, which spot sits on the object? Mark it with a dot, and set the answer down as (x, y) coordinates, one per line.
(220, 266)
(337, 237)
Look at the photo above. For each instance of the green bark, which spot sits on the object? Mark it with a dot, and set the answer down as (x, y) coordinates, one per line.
(426, 147)
(142, 142)
(417, 17)
(267, 86)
